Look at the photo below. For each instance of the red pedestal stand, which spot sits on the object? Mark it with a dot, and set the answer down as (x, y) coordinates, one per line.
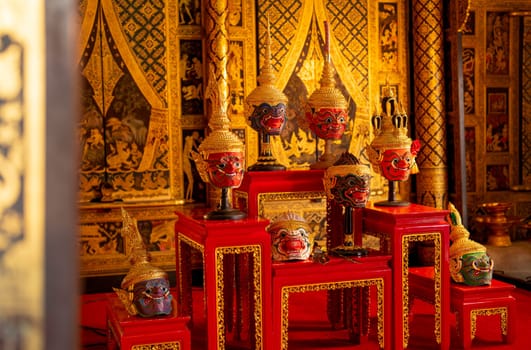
(469, 302)
(127, 332)
(337, 274)
(397, 227)
(235, 253)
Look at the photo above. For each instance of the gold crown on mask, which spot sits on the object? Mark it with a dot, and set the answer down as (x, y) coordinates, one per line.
(390, 125)
(266, 91)
(459, 235)
(289, 219)
(327, 96)
(141, 269)
(347, 164)
(221, 141)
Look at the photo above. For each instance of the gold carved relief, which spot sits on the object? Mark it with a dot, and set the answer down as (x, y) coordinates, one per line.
(309, 205)
(158, 346)
(102, 247)
(502, 311)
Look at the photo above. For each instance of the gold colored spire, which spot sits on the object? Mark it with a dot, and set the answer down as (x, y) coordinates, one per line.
(221, 138)
(141, 269)
(266, 91)
(327, 96)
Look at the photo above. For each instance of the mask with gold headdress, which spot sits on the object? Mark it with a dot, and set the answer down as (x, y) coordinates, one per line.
(469, 262)
(291, 237)
(145, 290)
(392, 153)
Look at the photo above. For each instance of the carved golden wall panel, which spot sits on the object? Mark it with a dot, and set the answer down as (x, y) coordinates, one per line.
(496, 156)
(124, 131)
(102, 247)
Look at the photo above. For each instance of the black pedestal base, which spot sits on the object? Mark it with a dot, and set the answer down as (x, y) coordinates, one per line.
(266, 166)
(225, 214)
(349, 251)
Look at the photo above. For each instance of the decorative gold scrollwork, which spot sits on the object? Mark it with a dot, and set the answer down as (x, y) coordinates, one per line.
(502, 311)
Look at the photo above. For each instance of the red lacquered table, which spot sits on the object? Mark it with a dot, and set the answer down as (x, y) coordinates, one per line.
(223, 245)
(128, 332)
(469, 302)
(337, 274)
(397, 227)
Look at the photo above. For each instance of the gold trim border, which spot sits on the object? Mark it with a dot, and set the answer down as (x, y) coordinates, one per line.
(158, 346)
(220, 252)
(286, 290)
(502, 311)
(437, 268)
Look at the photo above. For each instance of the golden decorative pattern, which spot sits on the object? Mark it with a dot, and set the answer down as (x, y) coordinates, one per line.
(311, 205)
(217, 45)
(437, 268)
(434, 184)
(502, 311)
(102, 246)
(255, 250)
(143, 24)
(378, 282)
(430, 120)
(158, 346)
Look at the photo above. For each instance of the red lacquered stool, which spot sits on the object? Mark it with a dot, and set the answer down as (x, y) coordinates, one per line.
(127, 332)
(338, 273)
(469, 302)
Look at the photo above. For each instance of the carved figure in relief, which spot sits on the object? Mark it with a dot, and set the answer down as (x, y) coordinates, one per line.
(190, 145)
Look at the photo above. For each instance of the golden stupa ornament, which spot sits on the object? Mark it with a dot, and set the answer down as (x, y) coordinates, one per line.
(326, 110)
(266, 108)
(469, 262)
(145, 290)
(392, 153)
(221, 157)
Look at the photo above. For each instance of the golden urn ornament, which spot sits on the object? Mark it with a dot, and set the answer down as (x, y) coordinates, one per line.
(266, 109)
(469, 262)
(145, 290)
(326, 110)
(392, 153)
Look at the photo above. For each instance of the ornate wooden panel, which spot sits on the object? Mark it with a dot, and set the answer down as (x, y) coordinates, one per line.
(493, 47)
(102, 248)
(125, 135)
